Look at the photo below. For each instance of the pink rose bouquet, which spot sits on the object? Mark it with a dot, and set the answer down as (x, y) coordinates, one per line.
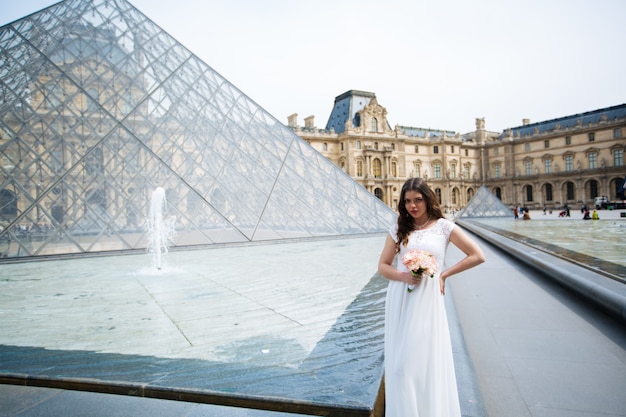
(419, 262)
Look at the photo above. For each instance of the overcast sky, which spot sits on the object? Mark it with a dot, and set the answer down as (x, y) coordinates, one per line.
(435, 64)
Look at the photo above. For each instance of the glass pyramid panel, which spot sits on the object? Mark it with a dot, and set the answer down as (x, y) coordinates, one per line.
(99, 107)
(485, 204)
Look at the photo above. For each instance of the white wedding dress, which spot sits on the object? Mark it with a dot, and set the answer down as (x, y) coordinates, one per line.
(419, 369)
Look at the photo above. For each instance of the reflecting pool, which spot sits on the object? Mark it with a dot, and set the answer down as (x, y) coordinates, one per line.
(604, 239)
(292, 323)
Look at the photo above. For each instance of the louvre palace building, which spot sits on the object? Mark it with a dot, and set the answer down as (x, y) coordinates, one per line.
(565, 161)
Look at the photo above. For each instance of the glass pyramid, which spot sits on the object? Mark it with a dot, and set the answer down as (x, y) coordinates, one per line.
(99, 107)
(485, 204)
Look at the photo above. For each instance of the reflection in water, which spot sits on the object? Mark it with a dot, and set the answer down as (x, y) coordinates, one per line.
(299, 321)
(603, 239)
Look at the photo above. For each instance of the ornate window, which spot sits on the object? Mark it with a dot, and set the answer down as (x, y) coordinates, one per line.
(593, 160)
(569, 163)
(437, 170)
(617, 133)
(377, 168)
(497, 170)
(359, 168)
(618, 157)
(374, 127)
(548, 165)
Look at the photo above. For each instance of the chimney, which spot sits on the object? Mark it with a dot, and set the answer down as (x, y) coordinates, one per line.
(525, 122)
(292, 121)
(309, 122)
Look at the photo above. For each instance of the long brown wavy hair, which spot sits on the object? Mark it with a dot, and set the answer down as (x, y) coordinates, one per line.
(406, 223)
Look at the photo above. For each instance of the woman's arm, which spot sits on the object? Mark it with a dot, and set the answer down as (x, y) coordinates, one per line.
(473, 254)
(387, 270)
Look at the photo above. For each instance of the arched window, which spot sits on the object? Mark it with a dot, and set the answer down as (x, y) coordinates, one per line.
(378, 192)
(374, 127)
(438, 193)
(569, 191)
(498, 193)
(377, 168)
(529, 193)
(593, 188)
(549, 192)
(394, 169)
(455, 196)
(325, 147)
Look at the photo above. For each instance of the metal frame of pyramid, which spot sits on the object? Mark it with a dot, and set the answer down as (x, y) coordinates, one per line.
(99, 107)
(485, 204)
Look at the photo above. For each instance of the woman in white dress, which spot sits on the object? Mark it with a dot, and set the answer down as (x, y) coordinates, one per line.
(419, 369)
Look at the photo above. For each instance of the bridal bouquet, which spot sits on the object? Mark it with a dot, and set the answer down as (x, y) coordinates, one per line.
(419, 262)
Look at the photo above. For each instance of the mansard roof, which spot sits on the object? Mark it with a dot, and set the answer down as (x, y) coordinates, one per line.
(582, 119)
(346, 107)
(425, 133)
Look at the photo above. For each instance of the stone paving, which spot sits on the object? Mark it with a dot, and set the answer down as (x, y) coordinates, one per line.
(537, 350)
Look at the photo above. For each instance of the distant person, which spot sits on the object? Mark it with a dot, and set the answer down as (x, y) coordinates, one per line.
(595, 215)
(586, 216)
(419, 366)
(526, 215)
(516, 212)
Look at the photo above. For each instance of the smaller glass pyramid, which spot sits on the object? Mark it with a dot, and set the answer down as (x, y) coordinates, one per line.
(485, 204)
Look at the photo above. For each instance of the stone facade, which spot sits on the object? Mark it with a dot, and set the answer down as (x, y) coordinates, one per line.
(566, 161)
